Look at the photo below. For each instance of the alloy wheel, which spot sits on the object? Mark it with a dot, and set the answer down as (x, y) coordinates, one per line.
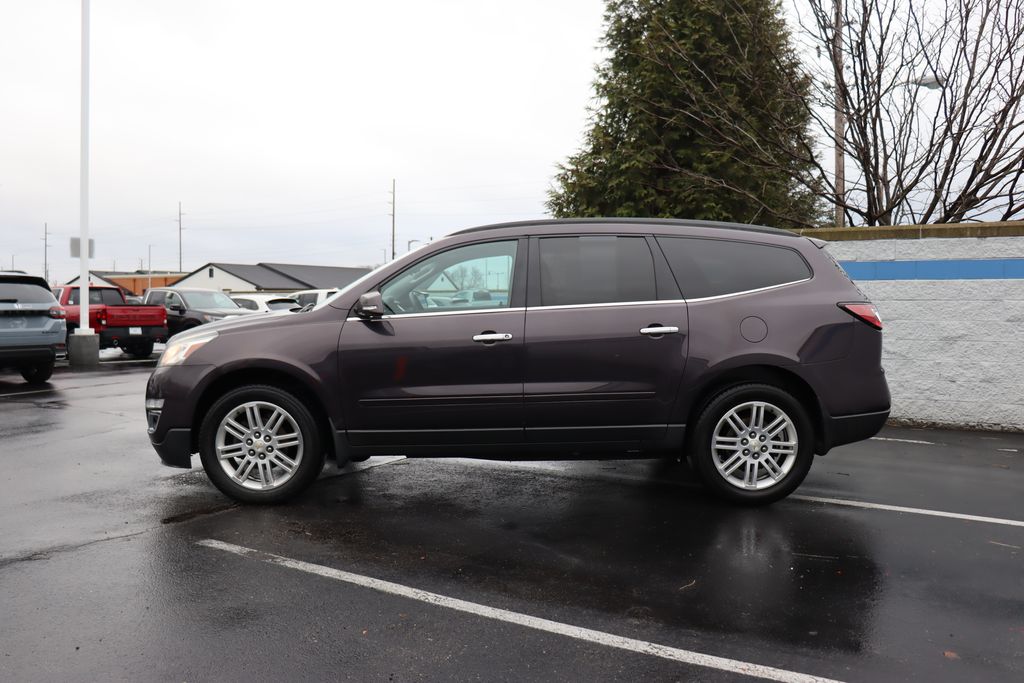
(259, 445)
(754, 446)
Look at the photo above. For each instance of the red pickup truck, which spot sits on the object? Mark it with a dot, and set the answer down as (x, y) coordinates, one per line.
(134, 329)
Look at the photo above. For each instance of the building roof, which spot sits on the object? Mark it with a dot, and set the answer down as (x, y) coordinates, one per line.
(258, 276)
(288, 276)
(318, 277)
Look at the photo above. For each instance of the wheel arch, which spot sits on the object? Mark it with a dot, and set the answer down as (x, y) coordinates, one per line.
(774, 375)
(289, 380)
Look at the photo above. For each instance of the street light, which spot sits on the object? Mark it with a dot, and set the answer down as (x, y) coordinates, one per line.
(408, 245)
(83, 345)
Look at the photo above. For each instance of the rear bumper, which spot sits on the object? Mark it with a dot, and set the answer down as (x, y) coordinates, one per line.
(850, 428)
(37, 353)
(121, 336)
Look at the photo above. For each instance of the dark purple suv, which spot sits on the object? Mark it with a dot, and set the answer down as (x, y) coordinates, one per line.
(748, 349)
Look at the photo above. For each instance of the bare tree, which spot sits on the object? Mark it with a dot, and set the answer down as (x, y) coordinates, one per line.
(929, 91)
(931, 94)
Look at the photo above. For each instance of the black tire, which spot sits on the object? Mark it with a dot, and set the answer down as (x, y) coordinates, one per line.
(703, 455)
(37, 373)
(139, 349)
(308, 467)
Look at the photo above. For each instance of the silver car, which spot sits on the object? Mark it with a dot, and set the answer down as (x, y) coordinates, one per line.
(32, 327)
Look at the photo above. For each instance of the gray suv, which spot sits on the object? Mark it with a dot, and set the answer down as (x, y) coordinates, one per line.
(748, 349)
(32, 327)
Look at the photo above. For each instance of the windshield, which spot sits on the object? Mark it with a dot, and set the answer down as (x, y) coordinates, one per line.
(349, 287)
(206, 300)
(281, 304)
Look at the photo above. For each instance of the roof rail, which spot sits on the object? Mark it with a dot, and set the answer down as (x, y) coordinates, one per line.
(633, 221)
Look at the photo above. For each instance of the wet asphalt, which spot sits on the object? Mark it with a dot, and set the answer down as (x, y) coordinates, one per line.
(102, 576)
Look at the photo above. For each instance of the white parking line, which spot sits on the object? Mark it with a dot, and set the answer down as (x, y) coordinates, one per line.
(913, 511)
(553, 469)
(585, 634)
(885, 438)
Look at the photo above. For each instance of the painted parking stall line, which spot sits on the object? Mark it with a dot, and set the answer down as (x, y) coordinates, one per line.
(553, 470)
(525, 620)
(912, 511)
(885, 438)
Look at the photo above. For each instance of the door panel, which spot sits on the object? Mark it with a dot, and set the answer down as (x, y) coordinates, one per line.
(421, 379)
(591, 375)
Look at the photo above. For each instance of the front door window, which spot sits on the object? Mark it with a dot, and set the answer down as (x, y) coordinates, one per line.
(477, 277)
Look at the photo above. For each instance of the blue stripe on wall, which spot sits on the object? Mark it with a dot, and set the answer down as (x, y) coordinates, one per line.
(943, 269)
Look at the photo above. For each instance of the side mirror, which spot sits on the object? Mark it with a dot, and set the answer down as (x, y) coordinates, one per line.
(370, 306)
(176, 308)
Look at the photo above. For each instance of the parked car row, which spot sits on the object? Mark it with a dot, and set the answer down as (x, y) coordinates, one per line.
(35, 321)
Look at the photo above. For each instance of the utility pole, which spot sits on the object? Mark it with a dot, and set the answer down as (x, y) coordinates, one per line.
(179, 237)
(46, 250)
(837, 61)
(149, 267)
(393, 219)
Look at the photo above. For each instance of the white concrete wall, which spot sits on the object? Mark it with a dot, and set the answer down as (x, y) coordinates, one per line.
(953, 350)
(221, 280)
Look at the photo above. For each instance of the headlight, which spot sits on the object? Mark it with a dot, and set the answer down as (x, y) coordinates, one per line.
(177, 351)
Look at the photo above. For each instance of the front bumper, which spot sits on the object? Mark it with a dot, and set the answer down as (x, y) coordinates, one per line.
(122, 336)
(178, 388)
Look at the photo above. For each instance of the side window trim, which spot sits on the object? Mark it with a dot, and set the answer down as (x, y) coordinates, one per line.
(517, 289)
(534, 297)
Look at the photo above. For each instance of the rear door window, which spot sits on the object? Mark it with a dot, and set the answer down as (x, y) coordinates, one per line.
(156, 298)
(595, 269)
(714, 267)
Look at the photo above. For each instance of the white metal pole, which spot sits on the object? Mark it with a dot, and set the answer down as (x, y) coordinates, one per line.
(150, 268)
(83, 191)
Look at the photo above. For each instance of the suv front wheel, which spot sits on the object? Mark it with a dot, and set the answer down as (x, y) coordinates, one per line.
(753, 444)
(260, 444)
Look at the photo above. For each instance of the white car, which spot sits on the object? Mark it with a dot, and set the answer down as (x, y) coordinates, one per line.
(265, 303)
(312, 296)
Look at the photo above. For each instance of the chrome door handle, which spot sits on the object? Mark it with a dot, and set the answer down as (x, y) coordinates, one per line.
(657, 331)
(491, 337)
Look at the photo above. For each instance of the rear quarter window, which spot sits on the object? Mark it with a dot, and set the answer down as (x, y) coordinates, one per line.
(713, 267)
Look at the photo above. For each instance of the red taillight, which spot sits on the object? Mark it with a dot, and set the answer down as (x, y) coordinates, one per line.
(864, 312)
(58, 313)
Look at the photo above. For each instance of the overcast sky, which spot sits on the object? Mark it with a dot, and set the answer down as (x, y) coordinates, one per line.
(279, 125)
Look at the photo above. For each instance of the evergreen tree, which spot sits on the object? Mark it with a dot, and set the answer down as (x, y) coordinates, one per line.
(701, 114)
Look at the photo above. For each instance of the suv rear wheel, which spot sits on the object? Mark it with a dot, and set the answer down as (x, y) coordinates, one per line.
(260, 444)
(37, 373)
(753, 444)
